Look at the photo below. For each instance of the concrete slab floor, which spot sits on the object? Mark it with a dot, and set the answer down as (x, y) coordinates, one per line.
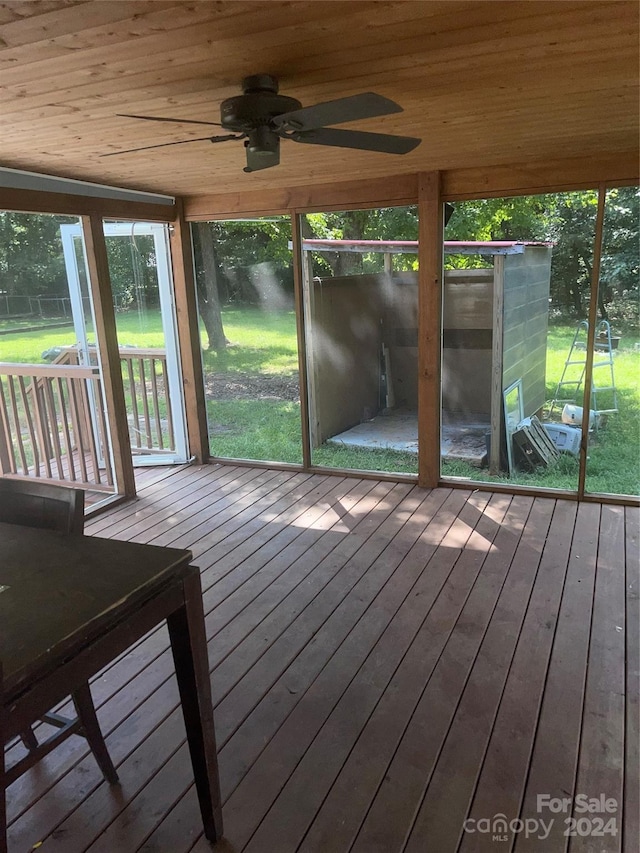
(398, 430)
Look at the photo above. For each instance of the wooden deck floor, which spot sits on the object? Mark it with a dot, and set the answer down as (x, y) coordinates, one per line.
(387, 662)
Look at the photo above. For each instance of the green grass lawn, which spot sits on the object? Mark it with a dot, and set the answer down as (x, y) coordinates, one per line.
(260, 342)
(265, 345)
(31, 322)
(263, 430)
(140, 330)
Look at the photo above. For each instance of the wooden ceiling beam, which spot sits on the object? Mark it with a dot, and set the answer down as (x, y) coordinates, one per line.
(66, 204)
(552, 175)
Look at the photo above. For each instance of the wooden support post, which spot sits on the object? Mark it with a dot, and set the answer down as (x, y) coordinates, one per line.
(496, 365)
(189, 337)
(429, 328)
(311, 353)
(299, 279)
(107, 338)
(591, 339)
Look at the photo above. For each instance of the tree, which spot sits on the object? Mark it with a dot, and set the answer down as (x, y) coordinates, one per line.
(619, 291)
(32, 260)
(133, 270)
(31, 257)
(393, 223)
(208, 286)
(244, 261)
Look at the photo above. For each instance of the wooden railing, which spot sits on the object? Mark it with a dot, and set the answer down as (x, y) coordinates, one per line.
(52, 425)
(146, 388)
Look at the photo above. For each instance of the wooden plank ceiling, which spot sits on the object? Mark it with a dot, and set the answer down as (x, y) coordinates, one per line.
(483, 83)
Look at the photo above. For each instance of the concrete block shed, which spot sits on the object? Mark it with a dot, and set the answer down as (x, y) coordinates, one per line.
(494, 333)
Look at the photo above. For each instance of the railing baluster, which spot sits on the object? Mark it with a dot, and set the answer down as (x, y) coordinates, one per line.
(47, 394)
(43, 440)
(147, 430)
(134, 401)
(46, 418)
(18, 426)
(78, 421)
(50, 402)
(32, 434)
(7, 457)
(145, 402)
(156, 406)
(94, 452)
(104, 437)
(165, 381)
(65, 430)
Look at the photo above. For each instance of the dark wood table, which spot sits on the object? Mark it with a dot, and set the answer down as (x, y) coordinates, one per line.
(70, 605)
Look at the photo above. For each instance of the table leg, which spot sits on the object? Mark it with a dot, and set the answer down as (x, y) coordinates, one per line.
(189, 648)
(3, 804)
(3, 787)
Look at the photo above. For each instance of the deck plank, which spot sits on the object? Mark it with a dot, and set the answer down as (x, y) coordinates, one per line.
(631, 817)
(386, 661)
(452, 783)
(556, 748)
(601, 762)
(500, 784)
(145, 653)
(293, 623)
(152, 498)
(403, 566)
(399, 796)
(279, 623)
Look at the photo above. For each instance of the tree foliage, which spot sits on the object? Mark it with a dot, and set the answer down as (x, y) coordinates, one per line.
(387, 223)
(32, 260)
(620, 263)
(252, 259)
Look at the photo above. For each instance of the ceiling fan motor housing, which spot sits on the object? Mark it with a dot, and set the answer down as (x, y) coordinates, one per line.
(259, 104)
(263, 144)
(246, 112)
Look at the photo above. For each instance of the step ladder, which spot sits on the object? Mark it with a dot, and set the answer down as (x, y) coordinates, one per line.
(575, 366)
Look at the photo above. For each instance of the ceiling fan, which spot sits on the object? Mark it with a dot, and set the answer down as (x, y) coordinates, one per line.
(261, 117)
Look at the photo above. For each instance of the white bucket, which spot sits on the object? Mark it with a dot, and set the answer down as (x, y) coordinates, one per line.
(573, 415)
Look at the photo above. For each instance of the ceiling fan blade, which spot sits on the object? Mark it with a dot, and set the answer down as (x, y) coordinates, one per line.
(181, 142)
(383, 142)
(365, 105)
(174, 120)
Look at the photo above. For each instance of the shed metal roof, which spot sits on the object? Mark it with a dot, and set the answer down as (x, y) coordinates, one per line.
(451, 247)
